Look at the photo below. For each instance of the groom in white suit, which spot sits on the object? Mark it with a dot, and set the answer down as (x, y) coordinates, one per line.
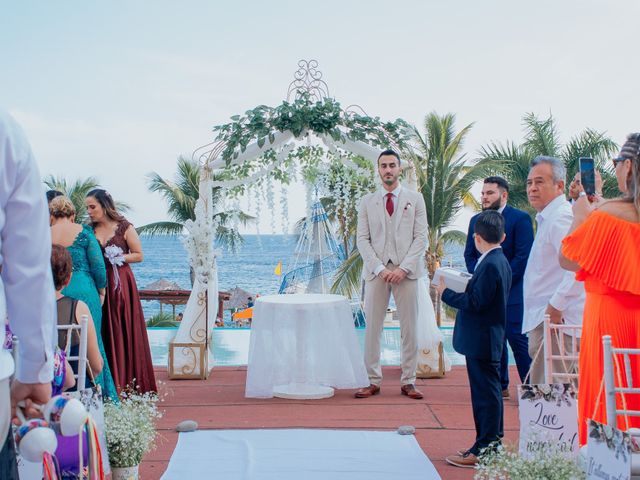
(392, 239)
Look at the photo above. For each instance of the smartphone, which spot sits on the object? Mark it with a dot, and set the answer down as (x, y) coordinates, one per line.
(588, 175)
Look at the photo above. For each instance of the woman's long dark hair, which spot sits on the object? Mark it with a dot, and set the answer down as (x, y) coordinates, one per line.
(106, 202)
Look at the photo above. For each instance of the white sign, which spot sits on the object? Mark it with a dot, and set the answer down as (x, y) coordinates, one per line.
(608, 453)
(548, 419)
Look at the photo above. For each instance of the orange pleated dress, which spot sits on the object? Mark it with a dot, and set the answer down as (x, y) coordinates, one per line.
(607, 249)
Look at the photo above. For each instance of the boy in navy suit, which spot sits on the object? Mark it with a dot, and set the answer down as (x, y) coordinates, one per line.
(479, 332)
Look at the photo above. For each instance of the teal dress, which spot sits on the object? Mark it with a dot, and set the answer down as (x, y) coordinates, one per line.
(90, 274)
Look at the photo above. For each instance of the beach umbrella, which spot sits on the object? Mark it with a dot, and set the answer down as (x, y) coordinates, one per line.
(239, 299)
(163, 284)
(166, 285)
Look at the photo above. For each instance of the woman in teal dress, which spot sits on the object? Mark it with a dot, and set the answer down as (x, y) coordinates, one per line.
(89, 276)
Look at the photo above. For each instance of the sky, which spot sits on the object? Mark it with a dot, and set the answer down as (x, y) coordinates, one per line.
(119, 89)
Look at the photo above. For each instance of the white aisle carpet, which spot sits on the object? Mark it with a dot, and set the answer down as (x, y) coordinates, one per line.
(297, 454)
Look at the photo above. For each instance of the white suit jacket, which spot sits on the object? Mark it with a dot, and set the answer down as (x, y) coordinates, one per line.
(410, 232)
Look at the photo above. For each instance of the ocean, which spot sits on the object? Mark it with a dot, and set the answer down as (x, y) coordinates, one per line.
(250, 268)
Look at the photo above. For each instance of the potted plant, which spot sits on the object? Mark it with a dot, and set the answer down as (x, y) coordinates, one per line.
(130, 427)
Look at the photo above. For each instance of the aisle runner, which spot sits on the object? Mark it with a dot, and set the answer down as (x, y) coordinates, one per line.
(298, 454)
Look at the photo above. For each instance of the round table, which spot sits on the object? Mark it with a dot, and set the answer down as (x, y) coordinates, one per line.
(302, 346)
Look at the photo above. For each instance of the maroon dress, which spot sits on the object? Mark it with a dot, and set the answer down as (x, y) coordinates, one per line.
(124, 332)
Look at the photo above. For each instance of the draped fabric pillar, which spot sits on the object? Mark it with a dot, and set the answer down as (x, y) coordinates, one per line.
(189, 353)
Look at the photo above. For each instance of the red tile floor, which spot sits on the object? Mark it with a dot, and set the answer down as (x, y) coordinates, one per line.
(443, 419)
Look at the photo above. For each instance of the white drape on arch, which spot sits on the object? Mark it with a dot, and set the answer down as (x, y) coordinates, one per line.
(202, 306)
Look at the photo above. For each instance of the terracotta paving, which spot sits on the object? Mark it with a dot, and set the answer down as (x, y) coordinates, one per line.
(443, 419)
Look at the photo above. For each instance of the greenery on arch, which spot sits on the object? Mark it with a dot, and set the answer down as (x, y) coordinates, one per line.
(325, 117)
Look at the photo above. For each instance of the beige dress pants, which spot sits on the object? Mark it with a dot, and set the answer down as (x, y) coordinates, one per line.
(376, 302)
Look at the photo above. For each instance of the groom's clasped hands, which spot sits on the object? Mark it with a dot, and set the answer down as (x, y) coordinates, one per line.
(393, 276)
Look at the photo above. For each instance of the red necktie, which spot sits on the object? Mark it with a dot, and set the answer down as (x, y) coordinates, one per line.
(390, 203)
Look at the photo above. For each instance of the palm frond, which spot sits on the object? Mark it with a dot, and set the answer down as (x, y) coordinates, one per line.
(229, 237)
(161, 228)
(454, 236)
(77, 192)
(588, 143)
(181, 196)
(163, 320)
(348, 279)
(541, 136)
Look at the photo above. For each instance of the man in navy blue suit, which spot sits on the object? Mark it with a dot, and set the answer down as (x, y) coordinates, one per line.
(516, 247)
(479, 333)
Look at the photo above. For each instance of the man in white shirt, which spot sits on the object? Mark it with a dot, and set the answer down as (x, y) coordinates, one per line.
(392, 239)
(548, 289)
(27, 297)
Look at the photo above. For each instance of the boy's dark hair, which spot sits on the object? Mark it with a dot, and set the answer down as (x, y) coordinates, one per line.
(388, 151)
(490, 226)
(501, 182)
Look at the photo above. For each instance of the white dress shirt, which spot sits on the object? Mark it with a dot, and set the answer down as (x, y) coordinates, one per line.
(27, 296)
(482, 257)
(394, 198)
(545, 282)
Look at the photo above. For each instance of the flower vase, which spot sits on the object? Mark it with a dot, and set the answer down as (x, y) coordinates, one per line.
(124, 473)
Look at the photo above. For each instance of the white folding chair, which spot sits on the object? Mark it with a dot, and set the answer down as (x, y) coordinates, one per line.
(81, 358)
(610, 391)
(571, 357)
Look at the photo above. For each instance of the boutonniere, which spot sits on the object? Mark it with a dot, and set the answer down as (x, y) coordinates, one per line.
(407, 206)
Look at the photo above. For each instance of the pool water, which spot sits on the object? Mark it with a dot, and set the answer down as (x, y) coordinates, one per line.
(231, 346)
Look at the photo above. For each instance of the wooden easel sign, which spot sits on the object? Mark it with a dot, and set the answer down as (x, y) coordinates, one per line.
(608, 452)
(548, 419)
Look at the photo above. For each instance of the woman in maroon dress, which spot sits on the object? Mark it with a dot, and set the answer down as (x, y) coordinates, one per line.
(124, 332)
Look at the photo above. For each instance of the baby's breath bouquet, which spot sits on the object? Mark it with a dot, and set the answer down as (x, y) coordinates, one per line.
(503, 462)
(131, 427)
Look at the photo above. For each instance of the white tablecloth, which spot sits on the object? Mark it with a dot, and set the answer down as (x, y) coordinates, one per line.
(305, 339)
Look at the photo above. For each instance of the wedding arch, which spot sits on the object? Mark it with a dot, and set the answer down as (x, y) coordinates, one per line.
(302, 137)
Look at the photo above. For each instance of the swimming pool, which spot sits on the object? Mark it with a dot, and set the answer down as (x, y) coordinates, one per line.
(231, 345)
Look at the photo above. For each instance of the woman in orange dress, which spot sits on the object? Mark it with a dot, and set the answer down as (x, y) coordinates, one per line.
(603, 247)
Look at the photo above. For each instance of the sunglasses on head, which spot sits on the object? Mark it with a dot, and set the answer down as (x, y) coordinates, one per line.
(618, 160)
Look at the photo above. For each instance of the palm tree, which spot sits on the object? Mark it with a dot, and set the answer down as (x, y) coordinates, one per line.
(541, 137)
(444, 179)
(181, 196)
(77, 192)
